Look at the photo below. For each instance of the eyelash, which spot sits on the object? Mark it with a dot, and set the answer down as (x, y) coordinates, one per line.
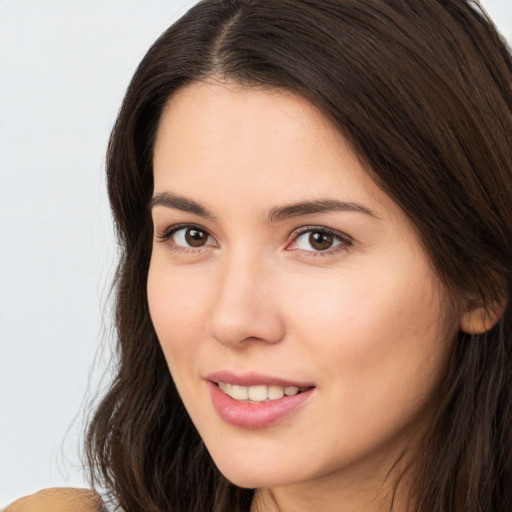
(166, 236)
(345, 242)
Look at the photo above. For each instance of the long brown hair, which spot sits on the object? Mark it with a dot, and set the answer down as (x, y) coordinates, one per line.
(422, 90)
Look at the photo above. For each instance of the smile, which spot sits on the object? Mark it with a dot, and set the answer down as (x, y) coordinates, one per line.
(248, 403)
(258, 394)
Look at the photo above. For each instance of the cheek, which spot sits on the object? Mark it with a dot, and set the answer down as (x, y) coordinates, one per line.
(380, 348)
(376, 326)
(177, 305)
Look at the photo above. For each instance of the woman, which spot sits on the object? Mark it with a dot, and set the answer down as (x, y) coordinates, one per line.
(313, 201)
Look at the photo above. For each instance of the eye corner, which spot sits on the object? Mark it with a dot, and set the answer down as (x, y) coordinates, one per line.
(189, 238)
(328, 242)
(160, 238)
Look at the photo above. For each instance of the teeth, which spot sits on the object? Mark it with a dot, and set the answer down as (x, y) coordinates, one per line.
(257, 393)
(291, 391)
(275, 392)
(225, 387)
(239, 392)
(260, 393)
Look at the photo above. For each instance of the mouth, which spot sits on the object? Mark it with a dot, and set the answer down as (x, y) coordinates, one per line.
(255, 401)
(259, 393)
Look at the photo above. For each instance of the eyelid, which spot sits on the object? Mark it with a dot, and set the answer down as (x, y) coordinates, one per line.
(346, 241)
(169, 231)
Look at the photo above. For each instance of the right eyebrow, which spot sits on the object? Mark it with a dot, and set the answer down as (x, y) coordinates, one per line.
(179, 203)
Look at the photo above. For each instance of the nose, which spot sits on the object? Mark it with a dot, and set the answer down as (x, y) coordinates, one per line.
(245, 308)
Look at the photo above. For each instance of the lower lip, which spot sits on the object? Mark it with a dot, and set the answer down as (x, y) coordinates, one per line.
(255, 415)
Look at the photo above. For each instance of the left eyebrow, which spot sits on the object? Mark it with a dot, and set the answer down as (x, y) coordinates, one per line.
(280, 213)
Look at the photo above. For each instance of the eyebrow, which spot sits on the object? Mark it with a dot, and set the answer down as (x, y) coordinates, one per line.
(170, 200)
(276, 214)
(317, 206)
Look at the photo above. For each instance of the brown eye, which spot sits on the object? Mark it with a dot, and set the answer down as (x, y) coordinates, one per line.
(195, 237)
(188, 237)
(321, 241)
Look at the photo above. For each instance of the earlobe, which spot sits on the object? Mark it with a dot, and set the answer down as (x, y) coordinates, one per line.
(478, 318)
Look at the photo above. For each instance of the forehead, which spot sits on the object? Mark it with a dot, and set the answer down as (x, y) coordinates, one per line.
(255, 146)
(213, 114)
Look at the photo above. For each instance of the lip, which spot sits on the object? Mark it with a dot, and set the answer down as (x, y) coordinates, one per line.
(255, 379)
(255, 415)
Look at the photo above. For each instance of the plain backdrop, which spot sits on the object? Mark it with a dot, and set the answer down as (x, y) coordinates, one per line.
(64, 67)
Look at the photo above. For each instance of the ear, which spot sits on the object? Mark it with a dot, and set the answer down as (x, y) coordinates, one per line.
(477, 318)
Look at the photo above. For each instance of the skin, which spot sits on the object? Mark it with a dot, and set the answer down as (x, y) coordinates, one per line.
(59, 499)
(367, 321)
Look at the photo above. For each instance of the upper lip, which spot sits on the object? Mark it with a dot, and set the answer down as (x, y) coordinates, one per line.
(255, 379)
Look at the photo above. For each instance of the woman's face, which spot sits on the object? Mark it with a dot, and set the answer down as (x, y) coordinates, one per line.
(301, 321)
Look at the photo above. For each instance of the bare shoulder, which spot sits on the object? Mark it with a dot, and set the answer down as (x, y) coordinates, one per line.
(59, 499)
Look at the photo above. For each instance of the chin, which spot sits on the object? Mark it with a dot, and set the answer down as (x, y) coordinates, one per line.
(252, 475)
(256, 479)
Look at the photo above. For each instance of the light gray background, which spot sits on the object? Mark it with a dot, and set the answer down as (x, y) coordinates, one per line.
(64, 67)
